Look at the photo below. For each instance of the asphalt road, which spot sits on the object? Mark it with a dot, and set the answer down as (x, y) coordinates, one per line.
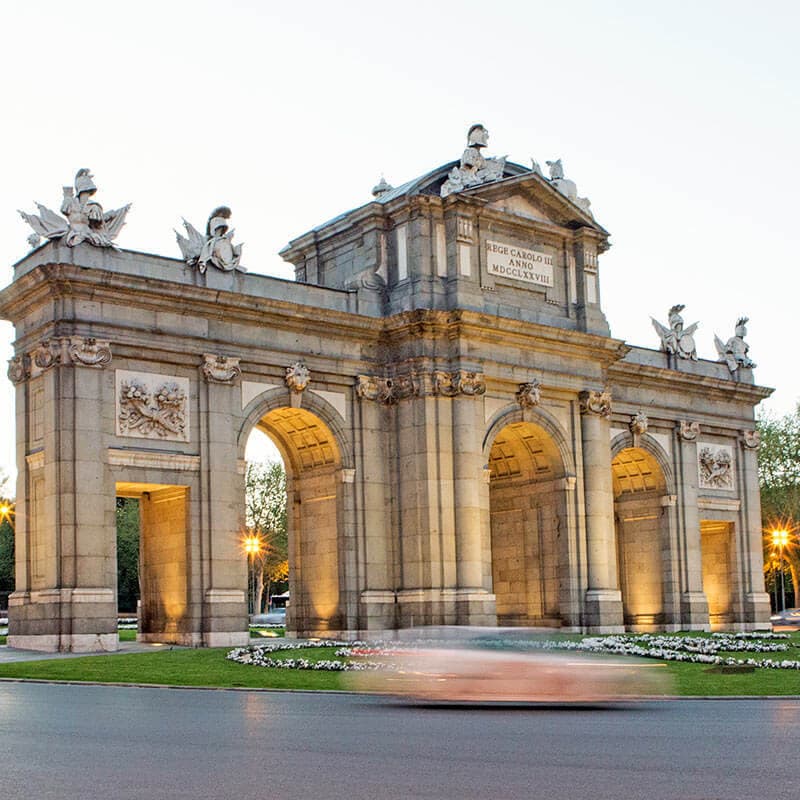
(101, 742)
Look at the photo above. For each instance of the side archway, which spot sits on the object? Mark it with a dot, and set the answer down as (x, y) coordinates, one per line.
(642, 482)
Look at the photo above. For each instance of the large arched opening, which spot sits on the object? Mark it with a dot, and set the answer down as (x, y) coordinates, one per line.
(642, 533)
(528, 514)
(312, 460)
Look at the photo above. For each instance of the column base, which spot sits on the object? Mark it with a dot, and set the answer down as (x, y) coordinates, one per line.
(377, 610)
(603, 611)
(423, 607)
(73, 620)
(694, 612)
(757, 611)
(225, 621)
(66, 643)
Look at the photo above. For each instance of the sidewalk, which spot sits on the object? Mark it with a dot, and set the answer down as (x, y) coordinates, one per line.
(10, 654)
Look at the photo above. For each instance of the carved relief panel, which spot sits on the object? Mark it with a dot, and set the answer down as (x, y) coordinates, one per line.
(715, 466)
(152, 406)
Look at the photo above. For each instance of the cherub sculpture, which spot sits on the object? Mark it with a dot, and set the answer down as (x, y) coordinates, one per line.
(85, 219)
(474, 168)
(677, 340)
(216, 247)
(734, 351)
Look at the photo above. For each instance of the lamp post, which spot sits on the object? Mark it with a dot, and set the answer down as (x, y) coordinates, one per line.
(780, 539)
(252, 546)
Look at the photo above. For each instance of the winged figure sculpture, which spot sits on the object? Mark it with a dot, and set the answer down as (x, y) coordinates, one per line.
(677, 340)
(216, 247)
(84, 219)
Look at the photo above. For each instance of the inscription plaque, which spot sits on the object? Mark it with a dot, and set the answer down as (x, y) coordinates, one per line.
(519, 263)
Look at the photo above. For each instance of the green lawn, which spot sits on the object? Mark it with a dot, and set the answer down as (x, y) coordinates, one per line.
(179, 667)
(209, 667)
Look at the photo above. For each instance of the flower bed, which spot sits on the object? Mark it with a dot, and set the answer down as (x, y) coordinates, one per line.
(664, 647)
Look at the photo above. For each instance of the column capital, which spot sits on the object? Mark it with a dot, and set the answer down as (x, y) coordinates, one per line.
(220, 369)
(596, 402)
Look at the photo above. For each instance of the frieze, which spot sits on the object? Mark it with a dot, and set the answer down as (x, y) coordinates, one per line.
(297, 376)
(151, 406)
(220, 369)
(596, 402)
(89, 352)
(443, 383)
(715, 466)
(529, 394)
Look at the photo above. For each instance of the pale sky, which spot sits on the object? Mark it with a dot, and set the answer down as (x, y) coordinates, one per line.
(680, 120)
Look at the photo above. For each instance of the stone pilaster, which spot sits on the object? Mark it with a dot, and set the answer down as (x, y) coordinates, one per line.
(220, 588)
(475, 605)
(756, 600)
(377, 609)
(603, 605)
(694, 605)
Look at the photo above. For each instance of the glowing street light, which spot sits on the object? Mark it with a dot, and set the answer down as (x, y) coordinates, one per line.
(6, 511)
(252, 546)
(780, 538)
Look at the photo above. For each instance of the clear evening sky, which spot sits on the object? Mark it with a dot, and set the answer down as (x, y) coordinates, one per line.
(681, 122)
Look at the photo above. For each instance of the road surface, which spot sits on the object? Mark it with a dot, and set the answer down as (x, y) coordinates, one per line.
(62, 741)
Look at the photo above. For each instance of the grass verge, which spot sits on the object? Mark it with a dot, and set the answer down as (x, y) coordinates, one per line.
(209, 667)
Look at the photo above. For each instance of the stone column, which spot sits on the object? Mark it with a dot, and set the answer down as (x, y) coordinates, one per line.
(751, 557)
(224, 603)
(475, 605)
(603, 598)
(694, 605)
(376, 553)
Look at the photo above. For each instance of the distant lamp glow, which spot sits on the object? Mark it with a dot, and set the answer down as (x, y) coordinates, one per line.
(6, 510)
(252, 545)
(780, 538)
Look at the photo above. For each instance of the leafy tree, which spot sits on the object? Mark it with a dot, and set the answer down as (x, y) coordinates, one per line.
(779, 480)
(6, 538)
(265, 517)
(127, 554)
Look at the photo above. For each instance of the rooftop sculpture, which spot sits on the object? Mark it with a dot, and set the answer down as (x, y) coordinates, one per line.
(677, 340)
(567, 187)
(474, 168)
(215, 248)
(734, 351)
(85, 219)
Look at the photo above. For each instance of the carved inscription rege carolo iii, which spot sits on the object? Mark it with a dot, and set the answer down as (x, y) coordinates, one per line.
(508, 261)
(151, 406)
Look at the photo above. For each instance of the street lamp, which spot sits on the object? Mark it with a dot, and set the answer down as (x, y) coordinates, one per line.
(780, 538)
(252, 546)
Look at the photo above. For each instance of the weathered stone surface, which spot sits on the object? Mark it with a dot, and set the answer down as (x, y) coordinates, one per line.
(431, 479)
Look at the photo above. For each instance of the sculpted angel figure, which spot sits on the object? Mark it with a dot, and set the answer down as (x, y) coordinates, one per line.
(677, 340)
(216, 247)
(735, 351)
(85, 219)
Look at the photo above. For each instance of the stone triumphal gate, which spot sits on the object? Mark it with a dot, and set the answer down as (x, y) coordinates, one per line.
(465, 443)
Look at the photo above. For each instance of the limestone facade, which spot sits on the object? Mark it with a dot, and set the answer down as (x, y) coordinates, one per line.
(465, 443)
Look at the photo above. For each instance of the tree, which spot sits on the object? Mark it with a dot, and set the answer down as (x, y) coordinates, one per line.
(779, 480)
(265, 517)
(6, 538)
(127, 554)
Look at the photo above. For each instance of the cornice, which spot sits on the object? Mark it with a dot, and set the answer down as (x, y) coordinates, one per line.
(665, 379)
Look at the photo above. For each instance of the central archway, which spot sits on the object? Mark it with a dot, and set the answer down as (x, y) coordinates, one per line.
(528, 525)
(312, 454)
